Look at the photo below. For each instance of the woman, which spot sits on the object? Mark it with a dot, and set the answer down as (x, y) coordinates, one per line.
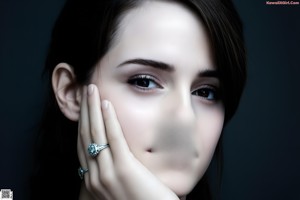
(148, 84)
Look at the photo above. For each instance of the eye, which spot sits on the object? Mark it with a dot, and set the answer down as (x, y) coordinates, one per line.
(207, 92)
(144, 82)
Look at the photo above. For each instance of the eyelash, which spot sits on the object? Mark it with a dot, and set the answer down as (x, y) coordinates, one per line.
(143, 77)
(208, 92)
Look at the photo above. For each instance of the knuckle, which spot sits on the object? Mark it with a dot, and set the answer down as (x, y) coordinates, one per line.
(93, 184)
(88, 186)
(122, 174)
(107, 179)
(125, 166)
(81, 134)
(94, 132)
(82, 130)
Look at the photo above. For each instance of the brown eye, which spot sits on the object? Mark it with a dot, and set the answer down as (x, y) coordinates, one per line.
(207, 93)
(141, 82)
(144, 82)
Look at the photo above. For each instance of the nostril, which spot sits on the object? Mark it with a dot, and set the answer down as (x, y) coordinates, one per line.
(149, 150)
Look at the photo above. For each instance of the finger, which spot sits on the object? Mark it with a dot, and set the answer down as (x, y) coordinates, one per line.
(87, 123)
(97, 129)
(83, 138)
(115, 137)
(82, 157)
(97, 132)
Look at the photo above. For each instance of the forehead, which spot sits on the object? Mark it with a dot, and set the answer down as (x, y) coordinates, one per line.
(163, 30)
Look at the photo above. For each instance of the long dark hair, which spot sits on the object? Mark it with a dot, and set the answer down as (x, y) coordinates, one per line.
(83, 33)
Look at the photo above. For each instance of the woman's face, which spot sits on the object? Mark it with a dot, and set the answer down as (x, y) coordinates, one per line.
(160, 76)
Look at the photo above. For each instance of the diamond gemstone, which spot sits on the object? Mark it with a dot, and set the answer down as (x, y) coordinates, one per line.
(93, 150)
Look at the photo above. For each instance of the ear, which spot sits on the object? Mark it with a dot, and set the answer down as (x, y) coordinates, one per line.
(66, 91)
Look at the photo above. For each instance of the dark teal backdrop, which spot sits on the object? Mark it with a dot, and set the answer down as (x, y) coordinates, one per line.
(262, 143)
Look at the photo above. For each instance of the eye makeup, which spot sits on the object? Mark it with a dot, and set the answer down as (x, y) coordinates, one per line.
(144, 82)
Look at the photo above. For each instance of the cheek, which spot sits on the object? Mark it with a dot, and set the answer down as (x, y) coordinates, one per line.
(137, 120)
(209, 126)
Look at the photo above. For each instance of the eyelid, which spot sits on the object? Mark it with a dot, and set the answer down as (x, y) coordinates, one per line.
(145, 76)
(214, 89)
(148, 77)
(206, 86)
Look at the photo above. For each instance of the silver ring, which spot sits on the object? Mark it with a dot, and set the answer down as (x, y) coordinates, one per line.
(94, 149)
(81, 172)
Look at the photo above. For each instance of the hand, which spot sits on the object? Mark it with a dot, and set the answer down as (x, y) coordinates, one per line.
(114, 174)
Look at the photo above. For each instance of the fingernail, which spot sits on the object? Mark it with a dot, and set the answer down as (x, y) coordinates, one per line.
(105, 104)
(90, 89)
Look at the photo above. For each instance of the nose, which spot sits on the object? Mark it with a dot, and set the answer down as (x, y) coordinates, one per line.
(180, 106)
(176, 131)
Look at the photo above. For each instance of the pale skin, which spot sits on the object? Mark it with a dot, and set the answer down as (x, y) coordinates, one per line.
(154, 98)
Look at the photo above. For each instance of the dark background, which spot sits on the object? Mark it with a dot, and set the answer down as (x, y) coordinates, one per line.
(261, 144)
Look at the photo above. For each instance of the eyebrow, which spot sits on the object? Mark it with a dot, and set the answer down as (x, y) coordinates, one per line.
(167, 67)
(150, 63)
(209, 73)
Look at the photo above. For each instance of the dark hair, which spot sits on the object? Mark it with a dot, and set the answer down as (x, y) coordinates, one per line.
(83, 33)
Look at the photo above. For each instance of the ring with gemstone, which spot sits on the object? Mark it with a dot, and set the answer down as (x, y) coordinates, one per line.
(94, 149)
(81, 172)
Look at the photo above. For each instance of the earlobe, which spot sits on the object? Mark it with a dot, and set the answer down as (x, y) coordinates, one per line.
(66, 91)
